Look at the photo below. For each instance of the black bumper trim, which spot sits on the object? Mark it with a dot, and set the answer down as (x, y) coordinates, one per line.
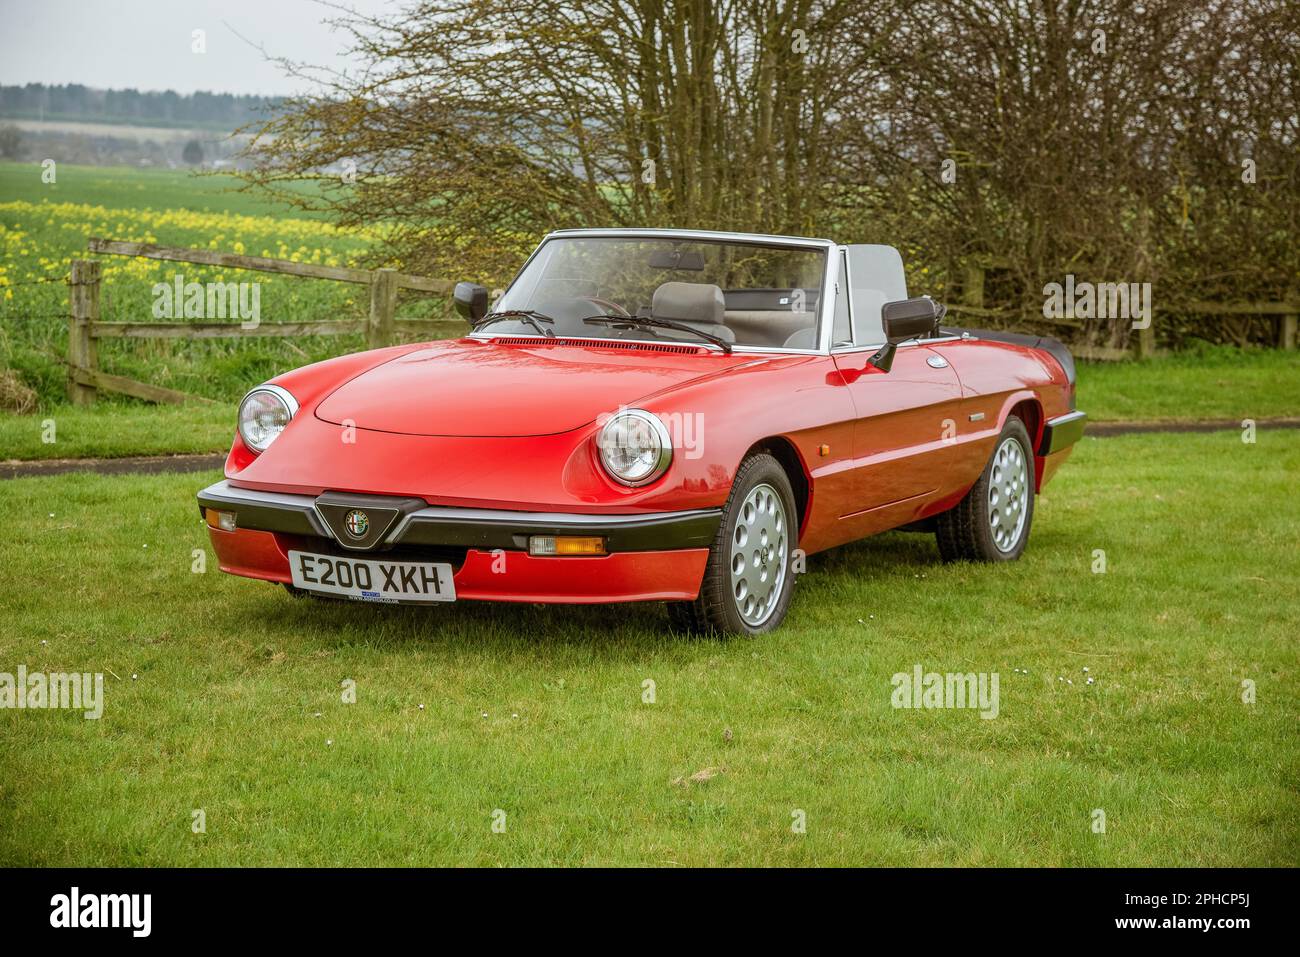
(468, 527)
(265, 511)
(511, 530)
(1062, 432)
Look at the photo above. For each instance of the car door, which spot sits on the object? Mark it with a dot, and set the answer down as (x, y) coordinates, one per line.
(905, 423)
(905, 418)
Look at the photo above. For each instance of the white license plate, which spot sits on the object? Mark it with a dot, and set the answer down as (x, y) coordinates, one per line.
(369, 579)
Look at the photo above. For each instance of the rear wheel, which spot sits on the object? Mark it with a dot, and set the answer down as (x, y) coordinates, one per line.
(747, 582)
(991, 524)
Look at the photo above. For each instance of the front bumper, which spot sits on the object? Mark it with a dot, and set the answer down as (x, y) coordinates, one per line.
(650, 557)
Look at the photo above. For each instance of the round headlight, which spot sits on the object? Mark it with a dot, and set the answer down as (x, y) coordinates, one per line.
(263, 415)
(635, 447)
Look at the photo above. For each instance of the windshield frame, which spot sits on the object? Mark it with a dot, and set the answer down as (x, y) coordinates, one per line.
(825, 303)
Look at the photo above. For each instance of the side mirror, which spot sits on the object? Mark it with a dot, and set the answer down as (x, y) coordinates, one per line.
(471, 300)
(906, 319)
(910, 318)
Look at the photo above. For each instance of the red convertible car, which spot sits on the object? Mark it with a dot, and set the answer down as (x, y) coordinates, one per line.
(647, 415)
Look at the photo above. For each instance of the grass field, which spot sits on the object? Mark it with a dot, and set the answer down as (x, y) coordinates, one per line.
(225, 695)
(124, 187)
(116, 430)
(43, 227)
(1223, 384)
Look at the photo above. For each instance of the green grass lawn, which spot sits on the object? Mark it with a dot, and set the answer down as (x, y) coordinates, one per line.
(116, 430)
(1211, 383)
(224, 695)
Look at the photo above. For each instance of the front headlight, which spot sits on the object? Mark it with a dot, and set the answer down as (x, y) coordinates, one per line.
(635, 447)
(263, 415)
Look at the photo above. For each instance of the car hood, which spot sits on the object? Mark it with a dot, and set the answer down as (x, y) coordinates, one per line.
(469, 387)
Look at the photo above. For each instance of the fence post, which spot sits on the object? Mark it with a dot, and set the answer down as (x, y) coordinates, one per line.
(1146, 340)
(83, 350)
(383, 304)
(972, 290)
(1286, 331)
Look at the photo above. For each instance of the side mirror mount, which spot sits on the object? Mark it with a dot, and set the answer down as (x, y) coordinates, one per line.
(471, 300)
(906, 319)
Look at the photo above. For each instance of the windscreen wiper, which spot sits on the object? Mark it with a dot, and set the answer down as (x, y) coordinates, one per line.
(652, 323)
(530, 316)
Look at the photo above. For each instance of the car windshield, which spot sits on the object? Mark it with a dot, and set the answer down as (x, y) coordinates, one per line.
(679, 290)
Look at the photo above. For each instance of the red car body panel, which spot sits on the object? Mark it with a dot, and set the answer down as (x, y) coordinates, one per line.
(488, 390)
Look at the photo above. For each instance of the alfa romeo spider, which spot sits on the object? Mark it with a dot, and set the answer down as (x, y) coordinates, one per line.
(643, 415)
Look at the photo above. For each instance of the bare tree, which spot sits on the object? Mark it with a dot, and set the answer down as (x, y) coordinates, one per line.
(1103, 138)
(480, 124)
(1073, 129)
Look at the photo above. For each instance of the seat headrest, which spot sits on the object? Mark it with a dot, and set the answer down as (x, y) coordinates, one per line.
(805, 338)
(689, 302)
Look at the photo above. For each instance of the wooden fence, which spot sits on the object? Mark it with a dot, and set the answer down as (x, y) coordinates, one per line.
(1286, 313)
(86, 328)
(383, 328)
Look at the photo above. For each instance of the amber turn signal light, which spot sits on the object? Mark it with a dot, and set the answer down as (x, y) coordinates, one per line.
(565, 545)
(222, 520)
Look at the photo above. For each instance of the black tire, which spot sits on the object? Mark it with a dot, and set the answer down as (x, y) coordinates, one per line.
(967, 532)
(717, 610)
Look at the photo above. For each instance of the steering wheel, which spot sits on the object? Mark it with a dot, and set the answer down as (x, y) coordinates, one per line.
(608, 307)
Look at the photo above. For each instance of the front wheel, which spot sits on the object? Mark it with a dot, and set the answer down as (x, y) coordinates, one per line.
(991, 524)
(748, 580)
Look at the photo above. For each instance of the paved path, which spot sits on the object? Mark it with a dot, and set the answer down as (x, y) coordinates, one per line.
(1216, 425)
(157, 464)
(133, 465)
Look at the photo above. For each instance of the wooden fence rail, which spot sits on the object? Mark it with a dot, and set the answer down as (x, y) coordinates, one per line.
(209, 257)
(1287, 314)
(382, 327)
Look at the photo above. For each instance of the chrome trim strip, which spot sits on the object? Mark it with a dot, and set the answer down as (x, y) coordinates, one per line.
(761, 239)
(1067, 418)
(902, 345)
(848, 297)
(229, 494)
(826, 320)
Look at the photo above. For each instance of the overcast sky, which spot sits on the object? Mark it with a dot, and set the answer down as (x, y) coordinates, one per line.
(146, 44)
